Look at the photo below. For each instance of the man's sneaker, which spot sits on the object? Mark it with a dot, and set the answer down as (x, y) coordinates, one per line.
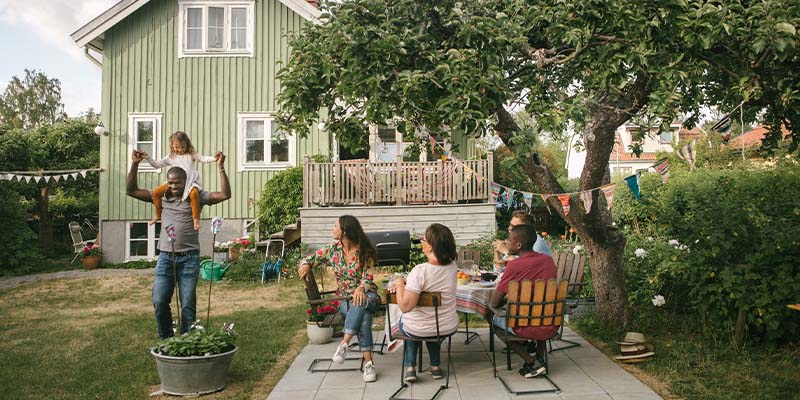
(340, 354)
(532, 370)
(437, 373)
(369, 372)
(410, 375)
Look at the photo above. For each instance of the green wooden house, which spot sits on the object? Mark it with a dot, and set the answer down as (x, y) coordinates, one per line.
(207, 67)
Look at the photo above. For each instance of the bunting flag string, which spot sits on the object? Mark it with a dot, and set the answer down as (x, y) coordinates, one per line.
(662, 167)
(608, 192)
(564, 199)
(527, 198)
(723, 126)
(686, 153)
(586, 197)
(633, 184)
(510, 194)
(47, 176)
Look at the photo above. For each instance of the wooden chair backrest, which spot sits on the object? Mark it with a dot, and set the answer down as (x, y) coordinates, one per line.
(571, 267)
(466, 255)
(426, 299)
(539, 303)
(312, 290)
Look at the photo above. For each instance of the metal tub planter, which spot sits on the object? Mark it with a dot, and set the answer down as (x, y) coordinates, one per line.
(194, 375)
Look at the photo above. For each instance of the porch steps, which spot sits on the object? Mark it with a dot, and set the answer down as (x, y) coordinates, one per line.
(290, 234)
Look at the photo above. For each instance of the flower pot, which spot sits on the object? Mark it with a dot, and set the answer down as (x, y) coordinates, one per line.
(90, 262)
(317, 335)
(233, 253)
(193, 376)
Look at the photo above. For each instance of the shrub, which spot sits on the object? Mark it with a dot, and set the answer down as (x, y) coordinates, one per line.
(280, 200)
(742, 229)
(16, 237)
(199, 342)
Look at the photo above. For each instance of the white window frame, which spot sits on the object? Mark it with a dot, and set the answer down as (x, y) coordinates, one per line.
(151, 242)
(226, 51)
(133, 119)
(268, 119)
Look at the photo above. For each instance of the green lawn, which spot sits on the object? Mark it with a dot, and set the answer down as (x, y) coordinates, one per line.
(90, 338)
(692, 364)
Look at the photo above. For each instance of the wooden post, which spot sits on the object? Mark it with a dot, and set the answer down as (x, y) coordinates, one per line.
(398, 188)
(306, 182)
(489, 176)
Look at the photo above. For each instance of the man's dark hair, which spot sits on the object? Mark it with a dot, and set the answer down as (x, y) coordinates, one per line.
(526, 218)
(177, 172)
(526, 235)
(442, 242)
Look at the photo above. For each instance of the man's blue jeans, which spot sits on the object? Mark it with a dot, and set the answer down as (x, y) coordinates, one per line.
(410, 349)
(187, 266)
(358, 319)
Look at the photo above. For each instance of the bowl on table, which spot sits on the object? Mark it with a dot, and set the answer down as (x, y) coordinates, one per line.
(488, 276)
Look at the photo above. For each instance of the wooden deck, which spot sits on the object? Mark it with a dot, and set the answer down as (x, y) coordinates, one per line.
(359, 183)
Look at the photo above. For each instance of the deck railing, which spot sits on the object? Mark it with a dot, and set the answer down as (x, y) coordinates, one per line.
(347, 183)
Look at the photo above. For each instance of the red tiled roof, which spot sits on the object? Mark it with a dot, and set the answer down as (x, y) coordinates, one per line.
(684, 135)
(753, 137)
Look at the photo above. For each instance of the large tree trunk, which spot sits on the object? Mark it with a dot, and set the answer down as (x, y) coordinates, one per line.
(604, 242)
(45, 224)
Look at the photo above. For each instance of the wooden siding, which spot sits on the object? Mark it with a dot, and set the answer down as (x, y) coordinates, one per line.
(201, 96)
(467, 221)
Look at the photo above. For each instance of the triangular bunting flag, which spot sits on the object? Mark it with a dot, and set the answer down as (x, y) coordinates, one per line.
(544, 199)
(37, 179)
(83, 173)
(56, 178)
(27, 179)
(608, 193)
(724, 128)
(686, 153)
(586, 197)
(65, 176)
(510, 198)
(74, 176)
(564, 199)
(495, 190)
(633, 184)
(527, 198)
(662, 167)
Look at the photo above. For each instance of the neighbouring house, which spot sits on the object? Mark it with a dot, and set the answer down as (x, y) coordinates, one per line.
(207, 67)
(623, 161)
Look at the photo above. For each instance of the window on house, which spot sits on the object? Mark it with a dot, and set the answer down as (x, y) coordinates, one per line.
(666, 137)
(144, 134)
(262, 145)
(216, 28)
(625, 171)
(142, 240)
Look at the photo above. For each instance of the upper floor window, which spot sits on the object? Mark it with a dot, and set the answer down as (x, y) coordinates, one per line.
(262, 145)
(144, 134)
(665, 137)
(215, 28)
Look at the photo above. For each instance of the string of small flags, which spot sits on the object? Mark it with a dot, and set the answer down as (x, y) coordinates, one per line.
(46, 176)
(563, 198)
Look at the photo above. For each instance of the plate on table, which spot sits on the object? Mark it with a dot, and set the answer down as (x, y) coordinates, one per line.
(486, 284)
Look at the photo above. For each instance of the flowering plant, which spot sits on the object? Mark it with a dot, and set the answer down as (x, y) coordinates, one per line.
(318, 313)
(92, 250)
(221, 247)
(242, 242)
(199, 342)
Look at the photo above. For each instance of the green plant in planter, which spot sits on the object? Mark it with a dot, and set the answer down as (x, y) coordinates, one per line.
(199, 342)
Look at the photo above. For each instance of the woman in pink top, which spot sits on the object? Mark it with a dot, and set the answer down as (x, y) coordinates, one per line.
(436, 275)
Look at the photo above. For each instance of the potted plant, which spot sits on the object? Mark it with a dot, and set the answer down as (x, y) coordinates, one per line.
(90, 256)
(318, 326)
(236, 247)
(196, 362)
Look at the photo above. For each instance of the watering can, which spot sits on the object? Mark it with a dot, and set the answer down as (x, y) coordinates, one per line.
(210, 269)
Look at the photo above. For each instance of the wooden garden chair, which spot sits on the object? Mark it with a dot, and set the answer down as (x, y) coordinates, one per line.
(539, 303)
(317, 298)
(426, 299)
(571, 267)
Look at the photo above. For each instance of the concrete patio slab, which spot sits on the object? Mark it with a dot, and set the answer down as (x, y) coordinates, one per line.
(582, 373)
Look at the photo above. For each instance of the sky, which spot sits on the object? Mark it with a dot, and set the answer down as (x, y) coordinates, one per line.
(36, 35)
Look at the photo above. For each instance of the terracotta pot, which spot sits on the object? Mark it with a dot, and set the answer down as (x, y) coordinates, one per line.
(233, 253)
(90, 262)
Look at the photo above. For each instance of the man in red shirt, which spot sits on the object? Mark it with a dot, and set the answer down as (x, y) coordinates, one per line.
(529, 266)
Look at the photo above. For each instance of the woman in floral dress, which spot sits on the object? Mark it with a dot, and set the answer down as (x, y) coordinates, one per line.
(351, 256)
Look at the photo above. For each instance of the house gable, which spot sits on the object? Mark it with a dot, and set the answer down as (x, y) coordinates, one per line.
(92, 34)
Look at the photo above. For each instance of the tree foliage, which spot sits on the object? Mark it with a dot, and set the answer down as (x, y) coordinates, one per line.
(596, 64)
(31, 102)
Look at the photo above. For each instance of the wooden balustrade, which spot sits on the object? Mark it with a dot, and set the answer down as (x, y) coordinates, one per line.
(385, 183)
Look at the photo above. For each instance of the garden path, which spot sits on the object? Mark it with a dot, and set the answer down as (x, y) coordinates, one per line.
(12, 282)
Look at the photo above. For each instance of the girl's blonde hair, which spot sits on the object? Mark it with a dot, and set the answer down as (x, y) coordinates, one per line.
(183, 138)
